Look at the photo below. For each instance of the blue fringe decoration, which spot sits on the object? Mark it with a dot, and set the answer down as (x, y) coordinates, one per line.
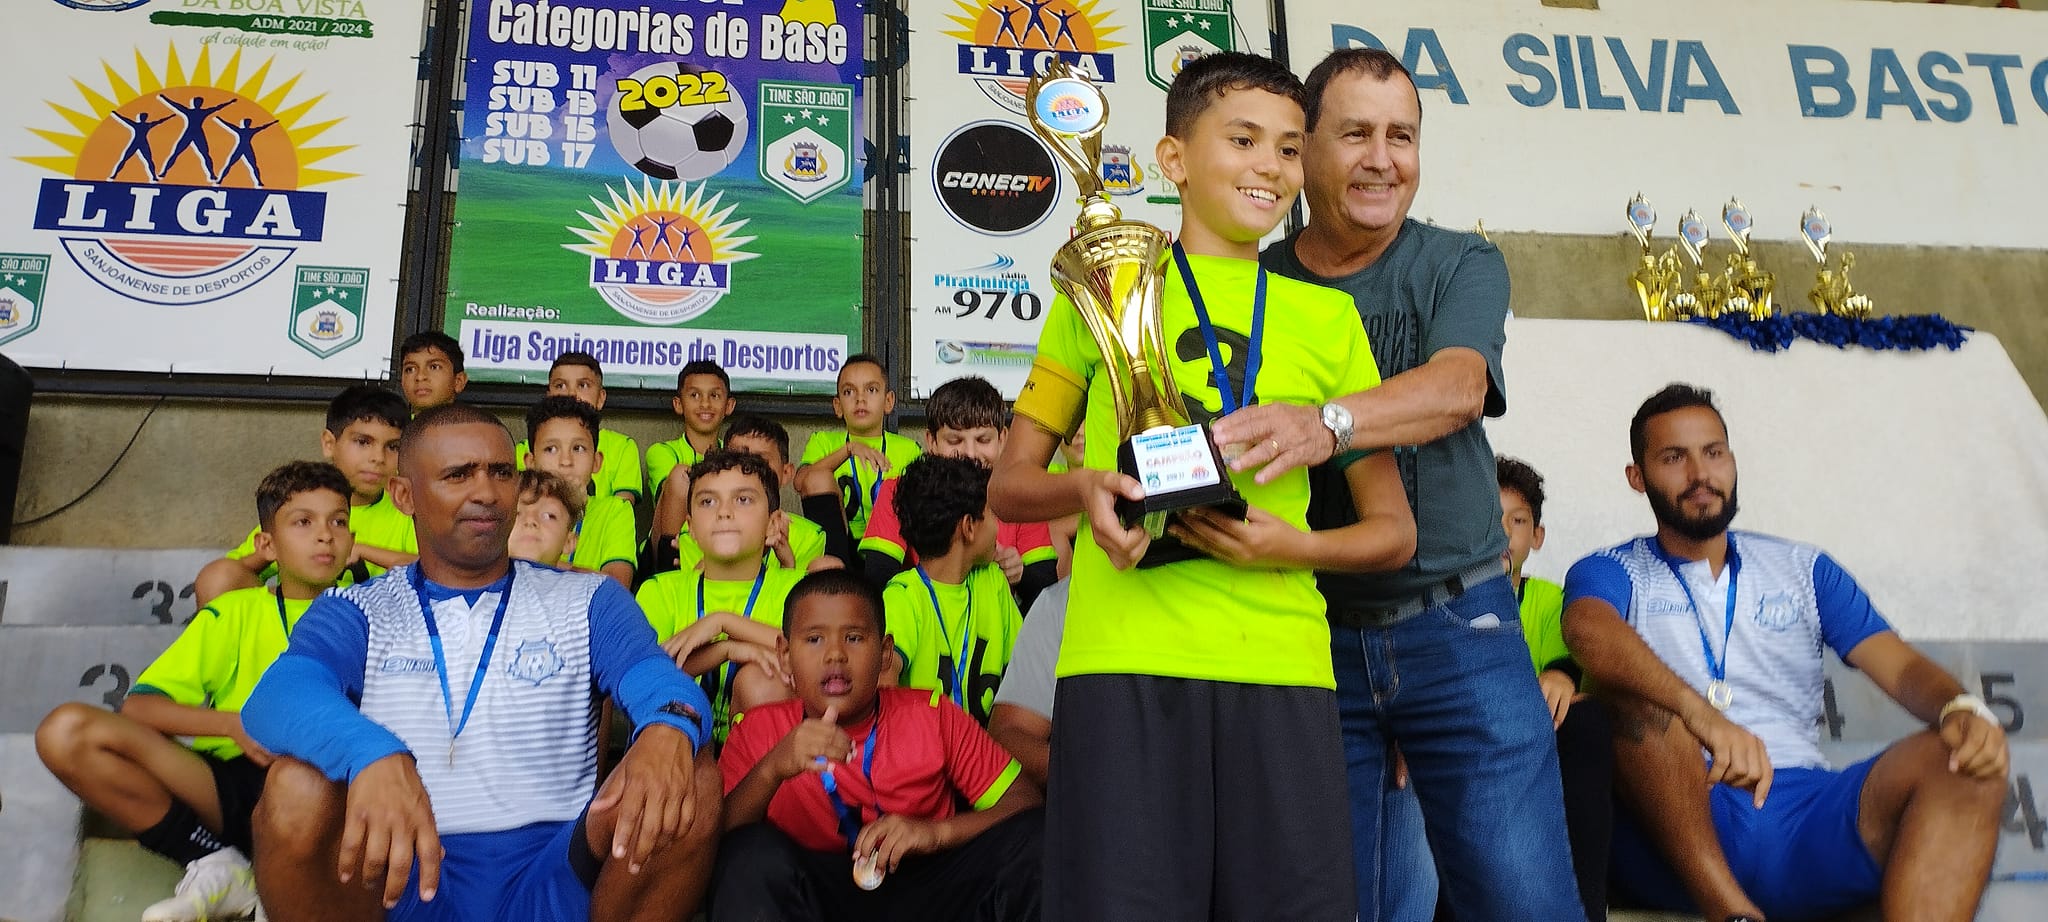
(1905, 332)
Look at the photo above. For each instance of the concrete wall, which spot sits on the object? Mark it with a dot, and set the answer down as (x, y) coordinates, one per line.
(189, 479)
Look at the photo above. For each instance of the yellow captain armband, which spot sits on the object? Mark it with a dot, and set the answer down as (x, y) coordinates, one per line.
(1053, 397)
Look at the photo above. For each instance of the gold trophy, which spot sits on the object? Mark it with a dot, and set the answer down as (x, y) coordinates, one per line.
(1749, 286)
(1708, 295)
(1832, 293)
(1111, 271)
(1656, 278)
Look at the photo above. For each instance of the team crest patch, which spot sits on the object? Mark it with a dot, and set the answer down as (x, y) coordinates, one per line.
(806, 134)
(183, 185)
(1180, 32)
(22, 277)
(535, 661)
(327, 311)
(1776, 612)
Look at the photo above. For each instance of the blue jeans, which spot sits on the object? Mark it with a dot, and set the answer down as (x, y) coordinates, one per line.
(1464, 706)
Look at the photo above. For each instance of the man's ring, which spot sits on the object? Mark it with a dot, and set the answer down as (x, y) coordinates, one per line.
(1276, 445)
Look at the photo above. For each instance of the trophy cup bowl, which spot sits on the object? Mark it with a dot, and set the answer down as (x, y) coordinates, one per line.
(1112, 271)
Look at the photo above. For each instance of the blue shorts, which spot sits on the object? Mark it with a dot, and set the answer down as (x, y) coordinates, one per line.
(542, 872)
(1799, 857)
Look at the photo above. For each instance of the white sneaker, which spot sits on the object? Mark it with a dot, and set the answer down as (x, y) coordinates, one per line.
(219, 886)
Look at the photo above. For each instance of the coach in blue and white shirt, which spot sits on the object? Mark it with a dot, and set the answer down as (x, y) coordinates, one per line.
(436, 728)
(1711, 639)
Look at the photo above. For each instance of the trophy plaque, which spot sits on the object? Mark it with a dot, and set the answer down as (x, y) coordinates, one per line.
(1112, 272)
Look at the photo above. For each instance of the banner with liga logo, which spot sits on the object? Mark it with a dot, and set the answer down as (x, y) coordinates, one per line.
(659, 183)
(206, 185)
(988, 203)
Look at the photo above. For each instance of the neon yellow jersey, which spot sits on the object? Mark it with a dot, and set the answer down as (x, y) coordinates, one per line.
(665, 457)
(217, 659)
(378, 524)
(670, 603)
(605, 534)
(858, 481)
(979, 616)
(806, 544)
(620, 470)
(1543, 621)
(1203, 619)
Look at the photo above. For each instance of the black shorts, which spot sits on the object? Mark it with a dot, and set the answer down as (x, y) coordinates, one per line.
(1189, 800)
(238, 783)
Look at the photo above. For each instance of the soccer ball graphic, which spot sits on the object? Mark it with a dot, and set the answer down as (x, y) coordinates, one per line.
(687, 123)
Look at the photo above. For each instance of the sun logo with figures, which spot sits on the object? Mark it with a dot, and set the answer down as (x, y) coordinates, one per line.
(1005, 42)
(182, 186)
(661, 253)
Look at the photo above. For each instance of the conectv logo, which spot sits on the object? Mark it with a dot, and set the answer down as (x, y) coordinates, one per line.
(183, 185)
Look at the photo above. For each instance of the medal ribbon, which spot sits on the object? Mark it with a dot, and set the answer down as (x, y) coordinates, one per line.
(849, 816)
(752, 595)
(966, 635)
(1254, 357)
(1717, 669)
(483, 662)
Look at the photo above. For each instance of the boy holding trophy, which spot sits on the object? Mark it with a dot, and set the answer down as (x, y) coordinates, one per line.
(1198, 771)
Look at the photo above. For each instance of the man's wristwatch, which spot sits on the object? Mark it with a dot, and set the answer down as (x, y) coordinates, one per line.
(1338, 421)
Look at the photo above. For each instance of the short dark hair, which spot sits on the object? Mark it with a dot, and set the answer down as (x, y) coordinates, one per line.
(1201, 83)
(447, 414)
(1516, 474)
(761, 427)
(746, 462)
(432, 339)
(966, 403)
(934, 494)
(1378, 62)
(867, 358)
(360, 402)
(279, 486)
(836, 581)
(582, 359)
(703, 367)
(562, 407)
(1675, 396)
(536, 484)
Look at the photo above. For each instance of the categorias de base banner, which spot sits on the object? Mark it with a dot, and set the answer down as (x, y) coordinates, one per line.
(661, 183)
(206, 185)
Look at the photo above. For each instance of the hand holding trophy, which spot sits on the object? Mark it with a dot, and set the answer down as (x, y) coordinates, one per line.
(1112, 272)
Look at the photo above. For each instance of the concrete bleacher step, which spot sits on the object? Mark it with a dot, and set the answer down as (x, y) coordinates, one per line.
(117, 879)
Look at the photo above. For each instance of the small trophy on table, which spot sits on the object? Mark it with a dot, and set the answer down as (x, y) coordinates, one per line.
(1749, 286)
(1112, 271)
(1832, 293)
(1708, 296)
(1656, 278)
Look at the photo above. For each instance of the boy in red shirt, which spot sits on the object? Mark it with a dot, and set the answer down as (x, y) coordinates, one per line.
(965, 418)
(852, 778)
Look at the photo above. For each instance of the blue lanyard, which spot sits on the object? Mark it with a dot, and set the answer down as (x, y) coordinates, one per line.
(483, 662)
(759, 576)
(849, 818)
(853, 463)
(1716, 669)
(282, 621)
(1254, 357)
(966, 634)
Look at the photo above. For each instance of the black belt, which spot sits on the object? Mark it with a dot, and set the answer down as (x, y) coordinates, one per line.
(1359, 616)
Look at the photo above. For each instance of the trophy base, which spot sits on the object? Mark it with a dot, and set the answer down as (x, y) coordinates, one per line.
(1180, 468)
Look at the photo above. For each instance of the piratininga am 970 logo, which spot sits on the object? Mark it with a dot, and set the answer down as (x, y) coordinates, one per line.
(182, 186)
(661, 253)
